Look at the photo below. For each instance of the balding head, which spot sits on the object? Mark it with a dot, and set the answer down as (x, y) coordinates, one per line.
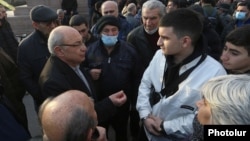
(57, 115)
(66, 43)
(109, 8)
(58, 36)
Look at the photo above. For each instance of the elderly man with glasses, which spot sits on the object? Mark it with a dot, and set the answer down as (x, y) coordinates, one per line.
(63, 71)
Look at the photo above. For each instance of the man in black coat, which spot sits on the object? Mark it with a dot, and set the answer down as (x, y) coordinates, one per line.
(144, 39)
(13, 114)
(8, 40)
(63, 72)
(33, 51)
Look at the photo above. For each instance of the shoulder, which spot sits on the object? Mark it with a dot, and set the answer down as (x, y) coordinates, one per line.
(158, 57)
(124, 23)
(93, 45)
(32, 38)
(212, 65)
(127, 46)
(136, 31)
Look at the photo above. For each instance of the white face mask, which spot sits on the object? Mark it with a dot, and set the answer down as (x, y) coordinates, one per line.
(109, 41)
(151, 31)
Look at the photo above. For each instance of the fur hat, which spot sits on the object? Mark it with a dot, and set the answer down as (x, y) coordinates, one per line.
(106, 20)
(42, 13)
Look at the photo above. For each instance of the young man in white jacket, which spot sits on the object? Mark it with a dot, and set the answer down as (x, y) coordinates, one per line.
(171, 84)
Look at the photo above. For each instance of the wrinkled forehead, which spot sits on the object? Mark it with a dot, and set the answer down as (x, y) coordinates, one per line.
(109, 6)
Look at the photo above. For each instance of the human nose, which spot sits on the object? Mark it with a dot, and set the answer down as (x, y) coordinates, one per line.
(83, 47)
(148, 21)
(199, 103)
(224, 56)
(159, 42)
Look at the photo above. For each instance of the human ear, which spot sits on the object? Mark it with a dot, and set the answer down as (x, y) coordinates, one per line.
(89, 135)
(59, 51)
(186, 41)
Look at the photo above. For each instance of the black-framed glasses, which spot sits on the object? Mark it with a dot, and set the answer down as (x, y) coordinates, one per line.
(72, 45)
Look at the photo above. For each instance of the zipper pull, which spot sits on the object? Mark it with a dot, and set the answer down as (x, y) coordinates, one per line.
(109, 60)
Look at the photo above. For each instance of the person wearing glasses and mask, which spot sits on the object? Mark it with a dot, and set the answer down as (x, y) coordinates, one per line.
(114, 66)
(33, 50)
(76, 121)
(63, 71)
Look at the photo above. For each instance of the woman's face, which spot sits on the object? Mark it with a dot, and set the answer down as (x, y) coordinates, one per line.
(204, 112)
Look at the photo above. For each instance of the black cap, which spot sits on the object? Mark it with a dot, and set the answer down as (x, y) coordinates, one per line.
(42, 13)
(106, 20)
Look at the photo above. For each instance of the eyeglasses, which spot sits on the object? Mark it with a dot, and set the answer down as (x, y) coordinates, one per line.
(72, 45)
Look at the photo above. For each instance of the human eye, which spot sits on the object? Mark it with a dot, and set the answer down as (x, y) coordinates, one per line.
(105, 31)
(225, 48)
(235, 53)
(164, 38)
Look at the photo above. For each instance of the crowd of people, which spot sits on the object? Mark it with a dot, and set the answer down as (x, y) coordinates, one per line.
(159, 66)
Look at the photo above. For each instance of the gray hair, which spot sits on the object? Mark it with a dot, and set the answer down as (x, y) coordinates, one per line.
(155, 4)
(131, 7)
(58, 11)
(79, 125)
(229, 99)
(56, 38)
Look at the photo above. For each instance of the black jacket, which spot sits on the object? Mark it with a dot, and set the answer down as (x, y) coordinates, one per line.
(58, 77)
(8, 40)
(143, 47)
(32, 56)
(120, 68)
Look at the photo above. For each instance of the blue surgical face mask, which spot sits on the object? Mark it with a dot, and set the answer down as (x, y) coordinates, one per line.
(240, 15)
(109, 41)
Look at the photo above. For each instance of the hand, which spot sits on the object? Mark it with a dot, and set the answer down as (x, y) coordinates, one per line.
(157, 121)
(102, 133)
(118, 98)
(152, 125)
(95, 73)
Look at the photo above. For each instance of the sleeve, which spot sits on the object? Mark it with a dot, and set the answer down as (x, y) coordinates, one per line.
(143, 105)
(26, 75)
(105, 109)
